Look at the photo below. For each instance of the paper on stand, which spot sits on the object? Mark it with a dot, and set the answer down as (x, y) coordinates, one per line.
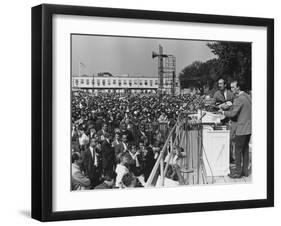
(211, 118)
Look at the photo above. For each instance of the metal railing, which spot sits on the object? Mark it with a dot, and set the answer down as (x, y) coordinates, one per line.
(192, 169)
(169, 145)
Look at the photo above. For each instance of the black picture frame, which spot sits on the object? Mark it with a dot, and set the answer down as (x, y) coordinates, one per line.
(42, 107)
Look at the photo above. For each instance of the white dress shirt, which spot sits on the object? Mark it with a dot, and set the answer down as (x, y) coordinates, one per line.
(94, 156)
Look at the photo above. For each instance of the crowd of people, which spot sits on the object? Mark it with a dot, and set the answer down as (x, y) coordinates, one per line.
(117, 137)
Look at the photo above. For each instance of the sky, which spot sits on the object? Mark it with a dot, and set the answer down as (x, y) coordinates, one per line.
(132, 55)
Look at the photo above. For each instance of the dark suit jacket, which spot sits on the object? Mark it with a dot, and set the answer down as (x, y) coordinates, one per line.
(119, 148)
(242, 112)
(89, 162)
(108, 156)
(219, 96)
(147, 163)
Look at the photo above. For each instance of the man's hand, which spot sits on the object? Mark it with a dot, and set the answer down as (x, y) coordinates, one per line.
(221, 111)
(222, 116)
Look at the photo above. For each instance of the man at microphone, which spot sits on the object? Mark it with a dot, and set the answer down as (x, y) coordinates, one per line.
(224, 99)
(241, 112)
(223, 95)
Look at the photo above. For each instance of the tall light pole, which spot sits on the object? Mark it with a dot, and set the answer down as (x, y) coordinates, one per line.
(160, 68)
(170, 69)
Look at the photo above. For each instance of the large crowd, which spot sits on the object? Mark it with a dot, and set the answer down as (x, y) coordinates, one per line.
(116, 138)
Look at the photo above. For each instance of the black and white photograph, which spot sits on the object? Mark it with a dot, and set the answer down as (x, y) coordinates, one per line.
(158, 112)
(144, 112)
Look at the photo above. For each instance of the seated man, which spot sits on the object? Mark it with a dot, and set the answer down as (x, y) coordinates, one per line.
(78, 180)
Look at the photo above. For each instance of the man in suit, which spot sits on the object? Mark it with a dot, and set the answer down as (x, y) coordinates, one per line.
(241, 112)
(91, 164)
(222, 95)
(108, 156)
(134, 160)
(224, 99)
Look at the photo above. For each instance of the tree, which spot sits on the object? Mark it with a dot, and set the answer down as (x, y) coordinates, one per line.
(234, 60)
(199, 74)
(190, 74)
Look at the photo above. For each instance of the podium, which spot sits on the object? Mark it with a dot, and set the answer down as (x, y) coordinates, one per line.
(216, 151)
(204, 151)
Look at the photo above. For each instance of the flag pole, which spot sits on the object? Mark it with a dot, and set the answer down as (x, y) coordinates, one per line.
(79, 69)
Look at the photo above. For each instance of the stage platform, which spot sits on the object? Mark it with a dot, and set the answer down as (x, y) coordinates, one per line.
(228, 180)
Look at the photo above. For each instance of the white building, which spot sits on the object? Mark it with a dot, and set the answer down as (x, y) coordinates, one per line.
(123, 83)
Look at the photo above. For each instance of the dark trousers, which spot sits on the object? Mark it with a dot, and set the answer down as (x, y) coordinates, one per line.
(242, 154)
(94, 177)
(108, 170)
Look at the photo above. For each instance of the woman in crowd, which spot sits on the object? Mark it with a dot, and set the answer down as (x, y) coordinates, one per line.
(122, 169)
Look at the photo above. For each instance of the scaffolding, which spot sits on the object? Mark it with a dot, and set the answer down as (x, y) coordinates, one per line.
(166, 72)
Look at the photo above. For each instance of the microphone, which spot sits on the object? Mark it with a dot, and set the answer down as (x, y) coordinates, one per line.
(202, 115)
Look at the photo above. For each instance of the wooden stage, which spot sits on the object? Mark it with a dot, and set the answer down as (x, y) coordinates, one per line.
(228, 180)
(217, 180)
